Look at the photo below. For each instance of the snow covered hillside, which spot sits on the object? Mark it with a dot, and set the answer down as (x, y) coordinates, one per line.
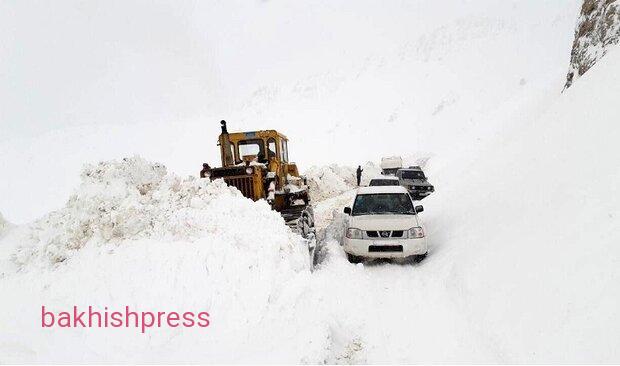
(526, 232)
(524, 256)
(346, 84)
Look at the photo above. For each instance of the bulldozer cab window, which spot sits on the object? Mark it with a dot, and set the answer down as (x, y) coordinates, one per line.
(252, 147)
(271, 148)
(284, 151)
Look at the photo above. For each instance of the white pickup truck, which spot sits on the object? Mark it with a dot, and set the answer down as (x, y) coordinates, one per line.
(384, 223)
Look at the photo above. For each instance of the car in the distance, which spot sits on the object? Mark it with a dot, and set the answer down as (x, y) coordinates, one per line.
(384, 223)
(415, 181)
(390, 164)
(384, 180)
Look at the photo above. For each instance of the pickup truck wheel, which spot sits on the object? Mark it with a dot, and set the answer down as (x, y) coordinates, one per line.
(419, 258)
(354, 259)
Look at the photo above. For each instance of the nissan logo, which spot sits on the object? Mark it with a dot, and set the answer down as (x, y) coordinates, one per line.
(384, 234)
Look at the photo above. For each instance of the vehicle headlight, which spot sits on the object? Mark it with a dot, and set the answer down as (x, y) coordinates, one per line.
(416, 232)
(412, 188)
(354, 233)
(249, 170)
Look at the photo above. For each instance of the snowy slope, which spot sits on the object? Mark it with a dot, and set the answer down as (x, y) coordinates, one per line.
(346, 84)
(524, 261)
(537, 252)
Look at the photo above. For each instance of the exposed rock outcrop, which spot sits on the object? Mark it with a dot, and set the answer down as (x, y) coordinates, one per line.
(598, 28)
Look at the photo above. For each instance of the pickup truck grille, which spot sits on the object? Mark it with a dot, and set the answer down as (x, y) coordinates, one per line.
(384, 234)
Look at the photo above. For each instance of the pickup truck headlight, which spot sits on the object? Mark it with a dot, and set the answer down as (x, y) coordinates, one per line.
(415, 232)
(354, 233)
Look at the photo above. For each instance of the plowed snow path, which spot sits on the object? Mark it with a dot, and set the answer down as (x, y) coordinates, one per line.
(391, 311)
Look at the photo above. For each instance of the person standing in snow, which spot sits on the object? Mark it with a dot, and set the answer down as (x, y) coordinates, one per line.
(359, 174)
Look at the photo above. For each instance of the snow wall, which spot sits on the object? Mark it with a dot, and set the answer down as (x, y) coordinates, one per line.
(133, 235)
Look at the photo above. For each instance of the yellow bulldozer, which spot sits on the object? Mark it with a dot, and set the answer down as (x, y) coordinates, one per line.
(257, 164)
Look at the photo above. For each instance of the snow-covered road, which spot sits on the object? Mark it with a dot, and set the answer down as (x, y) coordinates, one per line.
(389, 310)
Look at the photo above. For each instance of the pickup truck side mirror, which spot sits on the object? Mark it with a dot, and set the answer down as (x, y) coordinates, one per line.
(419, 209)
(347, 210)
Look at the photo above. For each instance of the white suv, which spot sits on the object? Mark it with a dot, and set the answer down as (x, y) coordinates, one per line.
(384, 180)
(384, 223)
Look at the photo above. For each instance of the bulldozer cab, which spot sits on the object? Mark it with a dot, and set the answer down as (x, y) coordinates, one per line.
(267, 148)
(256, 146)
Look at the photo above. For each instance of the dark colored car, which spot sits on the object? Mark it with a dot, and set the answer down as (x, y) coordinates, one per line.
(415, 181)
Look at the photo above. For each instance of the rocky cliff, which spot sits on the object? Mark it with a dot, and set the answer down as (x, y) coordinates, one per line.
(598, 27)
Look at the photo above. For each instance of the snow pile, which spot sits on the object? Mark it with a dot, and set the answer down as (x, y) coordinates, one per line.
(333, 180)
(132, 235)
(4, 225)
(332, 187)
(136, 199)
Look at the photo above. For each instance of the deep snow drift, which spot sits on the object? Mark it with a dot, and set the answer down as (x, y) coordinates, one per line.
(132, 235)
(333, 180)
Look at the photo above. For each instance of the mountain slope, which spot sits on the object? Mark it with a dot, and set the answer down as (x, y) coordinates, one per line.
(524, 258)
(346, 84)
(598, 29)
(530, 228)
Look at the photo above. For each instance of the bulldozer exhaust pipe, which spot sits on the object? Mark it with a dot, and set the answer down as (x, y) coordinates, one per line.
(225, 145)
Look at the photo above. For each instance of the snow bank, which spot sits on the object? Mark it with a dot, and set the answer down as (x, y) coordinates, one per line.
(135, 199)
(132, 235)
(333, 180)
(4, 225)
(532, 259)
(329, 181)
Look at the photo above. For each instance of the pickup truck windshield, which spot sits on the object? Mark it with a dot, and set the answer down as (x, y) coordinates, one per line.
(383, 182)
(413, 174)
(383, 204)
